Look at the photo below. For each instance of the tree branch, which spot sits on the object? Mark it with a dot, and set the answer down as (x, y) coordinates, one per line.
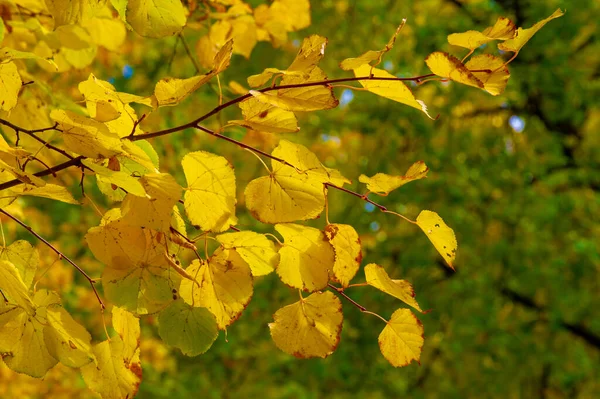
(53, 248)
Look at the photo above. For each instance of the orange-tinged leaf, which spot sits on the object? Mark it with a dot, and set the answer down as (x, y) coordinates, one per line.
(441, 236)
(403, 290)
(392, 89)
(266, 117)
(383, 184)
(346, 246)
(503, 29)
(225, 286)
(366, 58)
(210, 198)
(306, 257)
(494, 81)
(523, 35)
(450, 67)
(401, 340)
(310, 327)
(255, 249)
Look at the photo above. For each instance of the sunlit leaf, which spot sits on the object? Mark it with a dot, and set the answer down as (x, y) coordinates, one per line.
(503, 29)
(266, 117)
(392, 89)
(441, 236)
(191, 329)
(128, 328)
(306, 257)
(67, 12)
(158, 18)
(378, 278)
(383, 184)
(24, 257)
(13, 288)
(120, 179)
(210, 197)
(310, 327)
(225, 286)
(495, 75)
(449, 67)
(255, 249)
(10, 81)
(348, 255)
(401, 340)
(523, 35)
(67, 340)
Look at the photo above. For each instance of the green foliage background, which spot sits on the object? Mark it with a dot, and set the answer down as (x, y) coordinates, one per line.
(520, 317)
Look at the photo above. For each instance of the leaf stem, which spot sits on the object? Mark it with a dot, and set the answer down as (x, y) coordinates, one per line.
(53, 248)
(341, 292)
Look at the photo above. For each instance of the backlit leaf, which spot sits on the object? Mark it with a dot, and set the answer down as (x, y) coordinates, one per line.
(266, 117)
(311, 52)
(392, 89)
(66, 339)
(496, 74)
(210, 197)
(67, 12)
(255, 249)
(346, 245)
(310, 327)
(523, 35)
(24, 257)
(441, 236)
(120, 179)
(50, 191)
(306, 257)
(13, 288)
(287, 194)
(112, 375)
(401, 340)
(503, 29)
(378, 278)
(157, 18)
(450, 67)
(10, 81)
(128, 328)
(383, 184)
(191, 329)
(225, 286)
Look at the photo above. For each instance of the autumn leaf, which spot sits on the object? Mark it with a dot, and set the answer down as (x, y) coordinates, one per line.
(377, 277)
(383, 184)
(366, 58)
(255, 249)
(401, 340)
(310, 327)
(523, 35)
(158, 18)
(449, 67)
(348, 255)
(441, 236)
(503, 29)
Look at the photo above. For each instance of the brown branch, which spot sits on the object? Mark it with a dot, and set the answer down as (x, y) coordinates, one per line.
(361, 196)
(341, 292)
(51, 171)
(31, 133)
(60, 254)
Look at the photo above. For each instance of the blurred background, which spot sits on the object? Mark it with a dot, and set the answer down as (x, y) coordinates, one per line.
(516, 176)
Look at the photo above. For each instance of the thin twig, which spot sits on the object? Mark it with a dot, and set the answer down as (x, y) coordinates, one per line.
(341, 292)
(52, 247)
(361, 196)
(189, 53)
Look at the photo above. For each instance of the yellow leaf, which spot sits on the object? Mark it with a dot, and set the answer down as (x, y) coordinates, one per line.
(13, 288)
(121, 179)
(210, 196)
(306, 257)
(503, 29)
(86, 136)
(495, 77)
(392, 89)
(523, 35)
(24, 257)
(287, 194)
(441, 236)
(370, 56)
(111, 375)
(378, 278)
(128, 328)
(104, 22)
(67, 12)
(295, 14)
(153, 211)
(266, 118)
(264, 76)
(255, 249)
(346, 246)
(25, 177)
(10, 81)
(310, 327)
(243, 33)
(383, 184)
(309, 98)
(66, 339)
(310, 53)
(450, 67)
(50, 191)
(401, 340)
(157, 18)
(225, 286)
(22, 342)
